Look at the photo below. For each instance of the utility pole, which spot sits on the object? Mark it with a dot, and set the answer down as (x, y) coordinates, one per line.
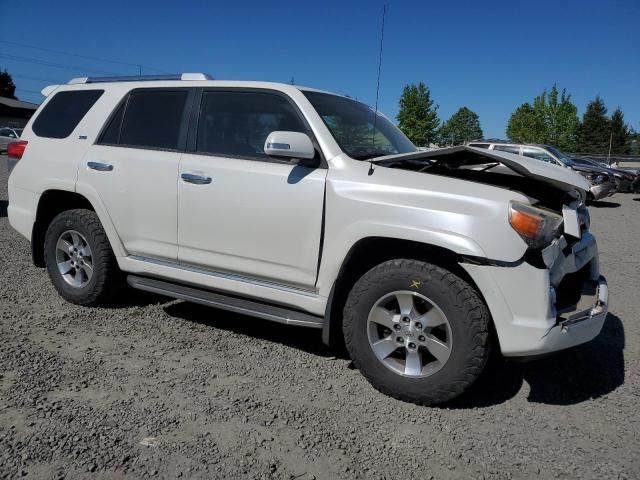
(609, 156)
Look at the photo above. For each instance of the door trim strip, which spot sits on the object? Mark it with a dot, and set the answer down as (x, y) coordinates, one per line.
(259, 282)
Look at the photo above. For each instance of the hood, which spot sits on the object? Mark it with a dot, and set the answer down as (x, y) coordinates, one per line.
(464, 157)
(590, 168)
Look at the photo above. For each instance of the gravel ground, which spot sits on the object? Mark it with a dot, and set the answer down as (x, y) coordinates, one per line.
(169, 389)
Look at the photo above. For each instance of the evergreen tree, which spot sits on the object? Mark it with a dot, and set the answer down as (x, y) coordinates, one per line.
(553, 119)
(526, 125)
(7, 87)
(619, 133)
(464, 125)
(595, 130)
(417, 116)
(562, 121)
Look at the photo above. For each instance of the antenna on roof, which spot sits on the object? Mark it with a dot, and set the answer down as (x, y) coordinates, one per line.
(375, 116)
(293, 81)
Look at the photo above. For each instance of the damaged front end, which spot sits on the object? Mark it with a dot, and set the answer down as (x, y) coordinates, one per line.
(554, 297)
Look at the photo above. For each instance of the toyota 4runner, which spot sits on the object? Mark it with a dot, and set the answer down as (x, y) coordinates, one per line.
(299, 206)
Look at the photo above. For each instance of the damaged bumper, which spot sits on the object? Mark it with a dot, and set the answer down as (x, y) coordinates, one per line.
(603, 190)
(547, 308)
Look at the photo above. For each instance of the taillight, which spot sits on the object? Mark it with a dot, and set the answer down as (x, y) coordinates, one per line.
(15, 150)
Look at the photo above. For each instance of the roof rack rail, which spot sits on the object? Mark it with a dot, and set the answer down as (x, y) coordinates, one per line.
(141, 78)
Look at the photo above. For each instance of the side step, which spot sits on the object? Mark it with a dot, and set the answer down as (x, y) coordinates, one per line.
(225, 302)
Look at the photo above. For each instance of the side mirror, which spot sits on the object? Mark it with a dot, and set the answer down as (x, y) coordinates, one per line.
(290, 145)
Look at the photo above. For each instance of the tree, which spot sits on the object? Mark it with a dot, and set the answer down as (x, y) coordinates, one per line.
(526, 125)
(553, 119)
(464, 125)
(7, 87)
(417, 116)
(620, 133)
(562, 122)
(595, 130)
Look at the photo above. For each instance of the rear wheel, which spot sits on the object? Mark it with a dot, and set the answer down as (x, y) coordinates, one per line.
(416, 331)
(79, 259)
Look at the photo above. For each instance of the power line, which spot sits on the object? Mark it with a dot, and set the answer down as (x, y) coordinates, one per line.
(28, 91)
(37, 79)
(77, 55)
(45, 63)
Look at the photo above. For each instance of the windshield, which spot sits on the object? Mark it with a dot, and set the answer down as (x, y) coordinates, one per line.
(560, 156)
(352, 125)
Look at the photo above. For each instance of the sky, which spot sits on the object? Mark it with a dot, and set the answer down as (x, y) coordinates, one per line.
(490, 56)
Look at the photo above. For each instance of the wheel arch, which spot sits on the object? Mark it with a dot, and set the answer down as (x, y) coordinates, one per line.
(366, 254)
(53, 202)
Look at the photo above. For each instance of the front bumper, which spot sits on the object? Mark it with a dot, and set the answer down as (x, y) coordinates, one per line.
(539, 310)
(603, 190)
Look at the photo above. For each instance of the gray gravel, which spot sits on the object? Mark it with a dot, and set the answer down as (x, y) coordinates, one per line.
(168, 389)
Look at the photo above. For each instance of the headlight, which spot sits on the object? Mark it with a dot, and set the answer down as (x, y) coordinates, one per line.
(537, 227)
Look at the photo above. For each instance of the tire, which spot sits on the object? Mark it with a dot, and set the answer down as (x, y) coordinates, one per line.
(104, 280)
(466, 330)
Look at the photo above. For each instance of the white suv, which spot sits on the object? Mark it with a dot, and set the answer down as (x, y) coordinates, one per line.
(308, 208)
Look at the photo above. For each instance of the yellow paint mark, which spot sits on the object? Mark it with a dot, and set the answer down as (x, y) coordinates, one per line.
(415, 284)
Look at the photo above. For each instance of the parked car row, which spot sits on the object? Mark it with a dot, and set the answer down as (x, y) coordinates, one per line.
(604, 180)
(626, 180)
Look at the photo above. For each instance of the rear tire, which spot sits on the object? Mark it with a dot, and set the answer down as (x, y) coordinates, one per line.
(438, 322)
(79, 259)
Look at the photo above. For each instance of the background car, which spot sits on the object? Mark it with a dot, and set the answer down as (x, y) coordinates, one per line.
(8, 135)
(602, 181)
(625, 180)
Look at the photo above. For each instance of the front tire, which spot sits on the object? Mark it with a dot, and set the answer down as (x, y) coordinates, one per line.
(416, 331)
(79, 259)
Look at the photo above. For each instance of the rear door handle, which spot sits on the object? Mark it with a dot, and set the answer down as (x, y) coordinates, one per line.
(99, 166)
(195, 179)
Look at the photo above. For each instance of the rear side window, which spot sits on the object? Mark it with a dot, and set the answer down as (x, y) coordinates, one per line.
(63, 112)
(237, 123)
(508, 149)
(152, 119)
(479, 145)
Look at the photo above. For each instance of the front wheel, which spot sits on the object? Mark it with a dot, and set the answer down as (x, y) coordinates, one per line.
(416, 331)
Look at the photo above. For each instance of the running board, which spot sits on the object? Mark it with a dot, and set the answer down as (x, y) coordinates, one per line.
(225, 302)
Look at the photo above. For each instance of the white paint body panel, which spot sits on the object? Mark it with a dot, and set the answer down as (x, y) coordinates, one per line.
(256, 230)
(258, 218)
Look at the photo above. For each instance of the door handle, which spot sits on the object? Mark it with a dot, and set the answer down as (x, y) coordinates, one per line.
(99, 166)
(195, 179)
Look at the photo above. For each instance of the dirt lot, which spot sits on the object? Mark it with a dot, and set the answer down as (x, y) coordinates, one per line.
(164, 388)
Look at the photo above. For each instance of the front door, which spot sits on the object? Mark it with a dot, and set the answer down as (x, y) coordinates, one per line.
(240, 211)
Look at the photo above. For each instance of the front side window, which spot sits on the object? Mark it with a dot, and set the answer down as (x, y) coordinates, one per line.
(352, 125)
(152, 119)
(237, 123)
(62, 114)
(538, 154)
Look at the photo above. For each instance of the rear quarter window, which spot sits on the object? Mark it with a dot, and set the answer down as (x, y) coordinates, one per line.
(62, 114)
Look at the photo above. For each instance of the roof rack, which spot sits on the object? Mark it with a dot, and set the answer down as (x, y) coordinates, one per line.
(141, 78)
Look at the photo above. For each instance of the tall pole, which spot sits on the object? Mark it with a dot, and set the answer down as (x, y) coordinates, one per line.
(609, 156)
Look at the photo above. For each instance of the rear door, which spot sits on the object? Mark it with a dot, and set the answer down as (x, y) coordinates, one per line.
(134, 166)
(247, 213)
